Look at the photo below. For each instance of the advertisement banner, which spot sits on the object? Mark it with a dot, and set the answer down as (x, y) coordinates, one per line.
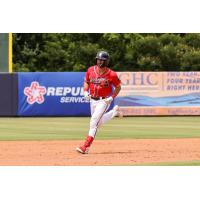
(52, 94)
(159, 93)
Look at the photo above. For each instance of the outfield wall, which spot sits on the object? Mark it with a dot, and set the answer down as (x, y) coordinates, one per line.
(61, 94)
(9, 94)
(52, 94)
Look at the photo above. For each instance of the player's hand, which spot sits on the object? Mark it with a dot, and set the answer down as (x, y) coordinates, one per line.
(87, 95)
(109, 100)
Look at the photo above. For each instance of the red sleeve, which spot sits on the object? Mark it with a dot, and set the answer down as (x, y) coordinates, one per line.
(115, 80)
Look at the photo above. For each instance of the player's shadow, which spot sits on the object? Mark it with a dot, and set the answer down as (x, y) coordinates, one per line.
(114, 152)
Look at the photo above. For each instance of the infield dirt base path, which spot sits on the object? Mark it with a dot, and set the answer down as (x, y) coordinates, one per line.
(103, 152)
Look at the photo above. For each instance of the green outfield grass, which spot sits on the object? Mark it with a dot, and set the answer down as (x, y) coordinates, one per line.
(186, 163)
(64, 128)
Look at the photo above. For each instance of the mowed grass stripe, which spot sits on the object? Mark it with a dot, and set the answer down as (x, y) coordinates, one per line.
(69, 128)
(178, 163)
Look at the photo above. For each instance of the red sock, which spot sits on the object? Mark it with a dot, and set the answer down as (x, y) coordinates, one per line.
(88, 141)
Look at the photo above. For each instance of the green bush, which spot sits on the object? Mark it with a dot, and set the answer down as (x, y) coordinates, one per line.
(149, 63)
(128, 51)
(173, 39)
(149, 46)
(191, 59)
(169, 58)
(193, 40)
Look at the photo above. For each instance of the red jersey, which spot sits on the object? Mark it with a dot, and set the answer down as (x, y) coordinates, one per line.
(100, 85)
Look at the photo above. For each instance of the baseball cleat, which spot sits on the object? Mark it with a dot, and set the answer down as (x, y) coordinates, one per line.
(82, 150)
(117, 112)
(85, 148)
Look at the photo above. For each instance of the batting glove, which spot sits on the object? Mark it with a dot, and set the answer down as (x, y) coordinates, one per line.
(86, 95)
(109, 100)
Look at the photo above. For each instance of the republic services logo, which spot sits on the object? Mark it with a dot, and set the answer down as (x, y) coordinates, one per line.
(35, 93)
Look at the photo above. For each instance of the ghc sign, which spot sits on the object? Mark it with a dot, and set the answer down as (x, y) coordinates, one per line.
(139, 78)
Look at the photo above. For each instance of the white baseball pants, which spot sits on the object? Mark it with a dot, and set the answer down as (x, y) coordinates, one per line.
(98, 115)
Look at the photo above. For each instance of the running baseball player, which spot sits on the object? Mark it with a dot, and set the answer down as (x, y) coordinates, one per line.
(98, 84)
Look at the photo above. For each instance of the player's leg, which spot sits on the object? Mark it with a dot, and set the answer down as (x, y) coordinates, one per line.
(98, 108)
(109, 115)
(89, 139)
(93, 105)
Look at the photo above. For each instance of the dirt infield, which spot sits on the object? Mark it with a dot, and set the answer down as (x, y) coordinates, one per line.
(103, 152)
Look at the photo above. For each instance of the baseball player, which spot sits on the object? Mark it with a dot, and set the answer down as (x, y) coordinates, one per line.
(98, 85)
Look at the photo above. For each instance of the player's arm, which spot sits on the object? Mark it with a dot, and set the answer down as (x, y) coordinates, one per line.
(114, 94)
(117, 85)
(86, 86)
(116, 91)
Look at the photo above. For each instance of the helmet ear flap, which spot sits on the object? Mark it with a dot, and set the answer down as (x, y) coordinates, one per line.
(106, 63)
